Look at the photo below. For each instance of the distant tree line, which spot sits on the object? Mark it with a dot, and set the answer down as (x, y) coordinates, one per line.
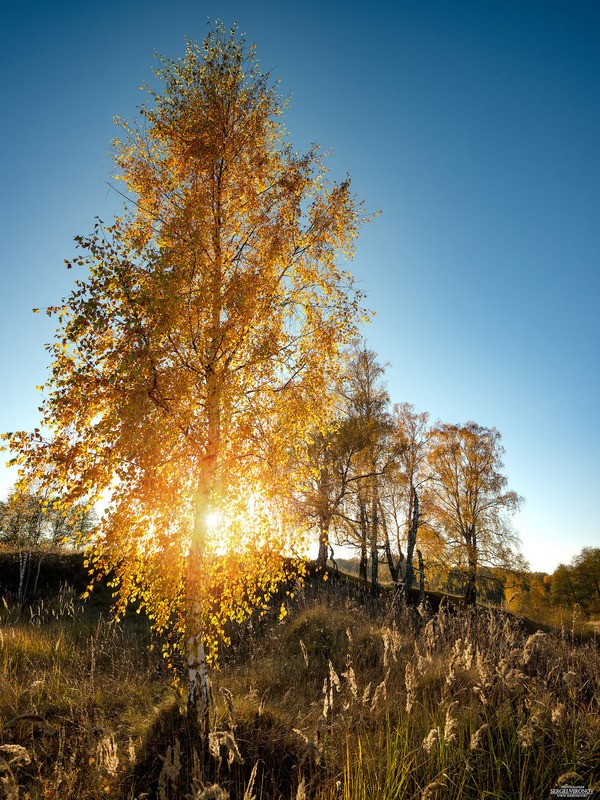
(31, 524)
(572, 588)
(578, 582)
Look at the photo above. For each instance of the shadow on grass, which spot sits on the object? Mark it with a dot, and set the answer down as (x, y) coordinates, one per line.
(173, 760)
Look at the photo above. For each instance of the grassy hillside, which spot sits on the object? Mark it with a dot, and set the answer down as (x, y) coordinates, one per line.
(349, 697)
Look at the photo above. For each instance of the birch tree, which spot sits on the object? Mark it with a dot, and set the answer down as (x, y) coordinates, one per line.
(411, 434)
(330, 454)
(367, 403)
(468, 501)
(199, 347)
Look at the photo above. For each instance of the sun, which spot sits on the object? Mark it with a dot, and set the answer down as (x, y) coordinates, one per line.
(238, 522)
(213, 518)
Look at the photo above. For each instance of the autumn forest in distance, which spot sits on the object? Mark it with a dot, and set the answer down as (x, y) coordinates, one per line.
(232, 565)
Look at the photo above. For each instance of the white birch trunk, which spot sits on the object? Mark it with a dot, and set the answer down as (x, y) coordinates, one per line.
(198, 689)
(23, 564)
(198, 694)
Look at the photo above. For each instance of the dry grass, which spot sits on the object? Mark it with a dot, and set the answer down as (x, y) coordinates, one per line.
(398, 703)
(347, 698)
(78, 692)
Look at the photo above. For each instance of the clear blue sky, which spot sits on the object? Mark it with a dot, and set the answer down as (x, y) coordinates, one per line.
(474, 127)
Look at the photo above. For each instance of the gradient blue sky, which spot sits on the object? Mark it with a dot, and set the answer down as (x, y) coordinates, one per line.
(474, 127)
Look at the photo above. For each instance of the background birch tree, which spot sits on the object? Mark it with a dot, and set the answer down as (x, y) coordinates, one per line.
(330, 455)
(411, 434)
(198, 348)
(368, 419)
(468, 502)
